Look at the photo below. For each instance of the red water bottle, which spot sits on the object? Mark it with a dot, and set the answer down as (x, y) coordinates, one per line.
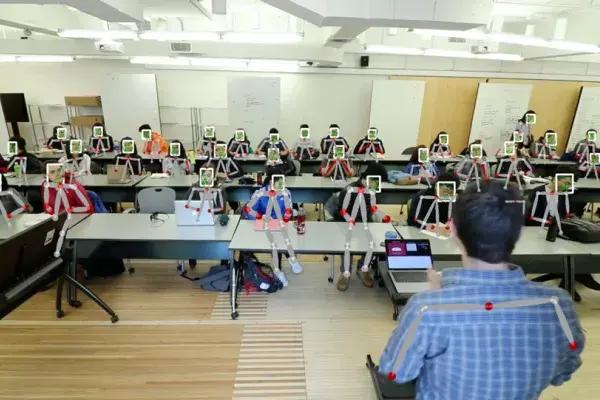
(259, 179)
(301, 222)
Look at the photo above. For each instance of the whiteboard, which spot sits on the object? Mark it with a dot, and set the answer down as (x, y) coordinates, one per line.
(254, 104)
(128, 101)
(498, 108)
(4, 133)
(587, 115)
(396, 113)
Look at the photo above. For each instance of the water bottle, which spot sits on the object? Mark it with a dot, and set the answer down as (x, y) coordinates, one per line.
(17, 167)
(301, 222)
(552, 231)
(117, 147)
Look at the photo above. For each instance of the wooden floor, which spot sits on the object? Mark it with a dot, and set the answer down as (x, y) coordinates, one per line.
(176, 342)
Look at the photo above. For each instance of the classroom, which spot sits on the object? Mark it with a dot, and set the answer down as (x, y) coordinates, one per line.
(299, 200)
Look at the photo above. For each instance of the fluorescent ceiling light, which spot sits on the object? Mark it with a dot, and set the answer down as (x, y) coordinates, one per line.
(380, 49)
(45, 59)
(573, 46)
(184, 36)
(98, 34)
(8, 58)
(275, 65)
(499, 57)
(448, 53)
(522, 40)
(219, 62)
(160, 61)
(266, 38)
(475, 35)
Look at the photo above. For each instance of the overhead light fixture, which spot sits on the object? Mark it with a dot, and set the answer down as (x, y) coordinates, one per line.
(522, 40)
(56, 59)
(499, 57)
(263, 38)
(219, 62)
(275, 65)
(381, 49)
(183, 36)
(448, 53)
(573, 46)
(4, 59)
(98, 34)
(180, 61)
(472, 34)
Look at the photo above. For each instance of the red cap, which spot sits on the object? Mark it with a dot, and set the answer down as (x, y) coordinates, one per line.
(391, 376)
(69, 210)
(361, 189)
(197, 209)
(351, 222)
(259, 216)
(432, 227)
(489, 306)
(25, 207)
(209, 211)
(271, 193)
(573, 346)
(531, 217)
(116, 170)
(386, 219)
(343, 212)
(373, 209)
(246, 209)
(286, 219)
(8, 215)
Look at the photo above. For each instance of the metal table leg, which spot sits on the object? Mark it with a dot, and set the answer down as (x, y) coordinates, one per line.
(234, 281)
(72, 272)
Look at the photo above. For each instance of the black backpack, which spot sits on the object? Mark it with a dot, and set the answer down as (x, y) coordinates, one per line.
(581, 231)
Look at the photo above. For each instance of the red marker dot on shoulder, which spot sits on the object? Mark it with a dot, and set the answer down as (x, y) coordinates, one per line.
(489, 306)
(391, 376)
(271, 193)
(573, 346)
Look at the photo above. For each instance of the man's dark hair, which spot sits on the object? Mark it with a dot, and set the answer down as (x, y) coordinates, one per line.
(448, 177)
(273, 130)
(303, 126)
(414, 157)
(145, 126)
(486, 224)
(21, 143)
(334, 126)
(375, 169)
(568, 169)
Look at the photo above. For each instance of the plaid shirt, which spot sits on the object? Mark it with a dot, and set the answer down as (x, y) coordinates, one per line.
(503, 354)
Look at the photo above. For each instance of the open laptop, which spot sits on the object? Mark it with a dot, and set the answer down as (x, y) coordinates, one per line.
(408, 261)
(190, 217)
(118, 174)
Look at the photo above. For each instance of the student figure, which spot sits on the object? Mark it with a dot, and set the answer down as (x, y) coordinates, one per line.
(504, 353)
(327, 143)
(426, 203)
(156, 143)
(232, 145)
(178, 164)
(538, 145)
(305, 149)
(414, 162)
(261, 208)
(467, 150)
(106, 139)
(34, 165)
(334, 205)
(53, 142)
(364, 144)
(287, 167)
(522, 150)
(436, 141)
(137, 167)
(84, 164)
(207, 146)
(72, 197)
(526, 129)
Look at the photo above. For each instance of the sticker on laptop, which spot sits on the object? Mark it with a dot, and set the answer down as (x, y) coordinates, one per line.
(423, 155)
(339, 152)
(61, 133)
(240, 135)
(207, 177)
(76, 146)
(174, 150)
(146, 135)
(49, 237)
(209, 132)
(372, 134)
(445, 191)
(304, 133)
(128, 146)
(564, 183)
(273, 155)
(98, 131)
(374, 183)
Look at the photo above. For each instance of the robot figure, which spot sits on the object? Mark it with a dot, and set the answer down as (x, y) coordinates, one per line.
(439, 150)
(582, 152)
(99, 146)
(480, 307)
(17, 199)
(174, 166)
(359, 205)
(513, 170)
(552, 199)
(225, 166)
(372, 148)
(22, 163)
(591, 168)
(338, 168)
(302, 146)
(238, 149)
(154, 150)
(74, 166)
(473, 171)
(61, 199)
(282, 220)
(426, 172)
(210, 195)
(129, 166)
(434, 206)
(522, 202)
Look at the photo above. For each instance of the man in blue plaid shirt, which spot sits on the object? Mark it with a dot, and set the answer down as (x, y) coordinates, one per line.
(510, 353)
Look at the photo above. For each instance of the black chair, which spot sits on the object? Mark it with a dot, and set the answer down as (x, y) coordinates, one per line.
(408, 150)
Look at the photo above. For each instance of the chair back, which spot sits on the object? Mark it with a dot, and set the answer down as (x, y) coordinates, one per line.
(160, 200)
(408, 150)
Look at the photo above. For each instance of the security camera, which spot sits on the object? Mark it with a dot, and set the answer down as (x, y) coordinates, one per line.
(26, 34)
(309, 63)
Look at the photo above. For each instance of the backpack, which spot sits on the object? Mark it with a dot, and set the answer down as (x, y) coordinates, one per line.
(100, 267)
(259, 277)
(217, 279)
(581, 231)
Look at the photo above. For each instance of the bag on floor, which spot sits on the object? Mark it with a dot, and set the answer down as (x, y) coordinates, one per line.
(259, 277)
(581, 231)
(102, 267)
(217, 279)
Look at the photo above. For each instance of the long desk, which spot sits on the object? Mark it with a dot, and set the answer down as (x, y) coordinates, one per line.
(181, 184)
(22, 222)
(111, 192)
(137, 236)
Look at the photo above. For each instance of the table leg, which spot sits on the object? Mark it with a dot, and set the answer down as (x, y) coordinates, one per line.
(571, 262)
(71, 288)
(234, 281)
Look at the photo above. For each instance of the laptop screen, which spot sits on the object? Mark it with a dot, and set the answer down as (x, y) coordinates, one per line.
(408, 254)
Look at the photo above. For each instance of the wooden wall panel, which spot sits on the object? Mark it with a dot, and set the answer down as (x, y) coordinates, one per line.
(448, 106)
(555, 104)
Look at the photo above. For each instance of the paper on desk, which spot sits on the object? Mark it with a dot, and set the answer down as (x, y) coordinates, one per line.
(158, 176)
(442, 233)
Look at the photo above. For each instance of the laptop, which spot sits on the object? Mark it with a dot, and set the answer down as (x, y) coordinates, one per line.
(118, 174)
(408, 262)
(190, 217)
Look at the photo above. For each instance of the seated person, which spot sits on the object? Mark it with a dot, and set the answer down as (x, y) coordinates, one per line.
(327, 142)
(53, 142)
(106, 139)
(365, 143)
(156, 144)
(261, 208)
(504, 353)
(136, 166)
(412, 168)
(72, 197)
(467, 150)
(34, 164)
(522, 151)
(426, 203)
(8, 202)
(332, 210)
(263, 146)
(178, 164)
(207, 146)
(304, 148)
(436, 142)
(328, 167)
(82, 163)
(539, 145)
(232, 146)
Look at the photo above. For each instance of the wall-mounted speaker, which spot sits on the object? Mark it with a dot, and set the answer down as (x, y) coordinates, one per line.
(364, 61)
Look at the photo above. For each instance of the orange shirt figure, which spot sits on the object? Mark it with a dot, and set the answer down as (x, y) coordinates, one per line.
(159, 143)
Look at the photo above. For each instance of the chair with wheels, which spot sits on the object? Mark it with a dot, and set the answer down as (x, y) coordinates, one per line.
(159, 200)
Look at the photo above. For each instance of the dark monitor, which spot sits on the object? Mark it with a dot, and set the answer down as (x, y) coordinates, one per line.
(14, 107)
(28, 262)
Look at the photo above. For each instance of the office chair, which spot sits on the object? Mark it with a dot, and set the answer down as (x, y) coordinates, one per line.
(150, 201)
